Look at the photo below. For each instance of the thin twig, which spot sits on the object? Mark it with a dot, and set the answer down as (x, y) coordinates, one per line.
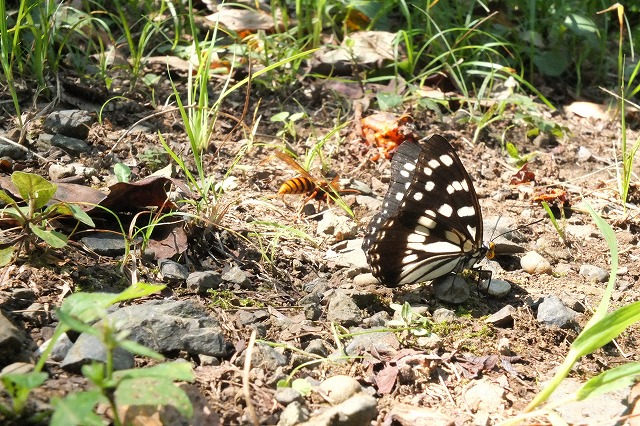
(245, 379)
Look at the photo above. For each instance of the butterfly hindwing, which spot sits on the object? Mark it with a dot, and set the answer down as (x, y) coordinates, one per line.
(430, 223)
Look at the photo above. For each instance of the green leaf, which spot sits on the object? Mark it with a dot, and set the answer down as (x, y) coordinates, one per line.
(303, 386)
(87, 306)
(601, 332)
(122, 172)
(138, 349)
(388, 100)
(34, 187)
(6, 198)
(75, 323)
(153, 391)
(81, 215)
(552, 63)
(279, 117)
(6, 256)
(138, 290)
(617, 378)
(581, 25)
(513, 151)
(171, 370)
(53, 238)
(77, 408)
(24, 380)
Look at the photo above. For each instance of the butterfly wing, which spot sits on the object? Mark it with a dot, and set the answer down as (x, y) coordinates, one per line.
(430, 223)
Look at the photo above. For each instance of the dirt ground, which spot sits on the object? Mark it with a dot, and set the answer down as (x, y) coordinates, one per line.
(279, 282)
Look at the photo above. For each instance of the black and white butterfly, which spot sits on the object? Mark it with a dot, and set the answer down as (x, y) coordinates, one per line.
(430, 223)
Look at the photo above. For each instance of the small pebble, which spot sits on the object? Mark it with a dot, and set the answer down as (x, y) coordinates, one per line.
(535, 264)
(337, 389)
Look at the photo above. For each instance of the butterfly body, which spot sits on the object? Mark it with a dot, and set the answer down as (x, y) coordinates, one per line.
(430, 223)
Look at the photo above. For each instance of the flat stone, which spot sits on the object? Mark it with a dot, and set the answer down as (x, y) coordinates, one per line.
(71, 146)
(343, 310)
(202, 281)
(451, 289)
(172, 271)
(73, 123)
(553, 312)
(88, 349)
(594, 273)
(13, 342)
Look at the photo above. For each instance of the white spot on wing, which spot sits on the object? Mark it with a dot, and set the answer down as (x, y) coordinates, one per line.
(433, 163)
(429, 186)
(446, 160)
(445, 210)
(418, 196)
(466, 211)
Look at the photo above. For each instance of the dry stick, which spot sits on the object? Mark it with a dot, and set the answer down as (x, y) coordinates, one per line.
(245, 379)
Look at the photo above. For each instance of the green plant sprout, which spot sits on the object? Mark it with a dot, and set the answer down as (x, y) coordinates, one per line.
(34, 219)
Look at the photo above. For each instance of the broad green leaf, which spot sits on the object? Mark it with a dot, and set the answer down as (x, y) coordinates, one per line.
(153, 391)
(138, 349)
(617, 378)
(388, 101)
(6, 198)
(24, 380)
(138, 290)
(279, 117)
(552, 63)
(18, 213)
(76, 324)
(81, 215)
(122, 172)
(53, 238)
(302, 385)
(606, 329)
(581, 25)
(6, 256)
(87, 306)
(77, 408)
(32, 186)
(181, 371)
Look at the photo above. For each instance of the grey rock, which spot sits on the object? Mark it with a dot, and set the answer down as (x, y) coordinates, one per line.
(22, 297)
(535, 264)
(235, 275)
(17, 368)
(317, 347)
(251, 317)
(293, 414)
(339, 388)
(265, 357)
(602, 409)
(583, 154)
(496, 287)
(172, 271)
(503, 318)
(61, 171)
(13, 342)
(71, 146)
(286, 396)
(60, 348)
(349, 255)
(202, 281)
(572, 301)
(73, 123)
(105, 244)
(379, 319)
(88, 349)
(312, 311)
(340, 227)
(170, 326)
(594, 273)
(343, 310)
(485, 396)
(373, 341)
(35, 314)
(552, 312)
(358, 410)
(444, 315)
(432, 341)
(12, 151)
(451, 289)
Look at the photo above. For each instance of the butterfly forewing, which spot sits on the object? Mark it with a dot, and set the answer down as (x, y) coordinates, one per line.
(430, 223)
